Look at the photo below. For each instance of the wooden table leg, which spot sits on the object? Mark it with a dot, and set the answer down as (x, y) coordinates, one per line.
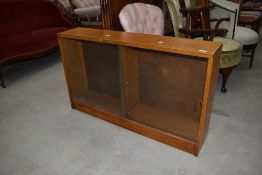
(1, 77)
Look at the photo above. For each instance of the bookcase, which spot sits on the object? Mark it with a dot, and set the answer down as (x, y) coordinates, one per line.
(160, 87)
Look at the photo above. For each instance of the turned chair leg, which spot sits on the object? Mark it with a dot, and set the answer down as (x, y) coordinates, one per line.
(252, 55)
(225, 74)
(1, 78)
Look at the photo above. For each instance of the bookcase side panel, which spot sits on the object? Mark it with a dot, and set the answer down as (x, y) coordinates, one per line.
(74, 66)
(208, 98)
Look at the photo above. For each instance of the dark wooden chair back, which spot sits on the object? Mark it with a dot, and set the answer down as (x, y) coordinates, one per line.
(198, 23)
(240, 2)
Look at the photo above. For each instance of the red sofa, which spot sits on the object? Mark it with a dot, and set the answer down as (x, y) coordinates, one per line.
(28, 29)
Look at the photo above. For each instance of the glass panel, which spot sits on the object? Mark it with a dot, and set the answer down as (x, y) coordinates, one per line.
(164, 90)
(103, 90)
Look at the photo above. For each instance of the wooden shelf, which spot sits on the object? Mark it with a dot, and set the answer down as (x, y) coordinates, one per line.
(163, 90)
(174, 123)
(101, 102)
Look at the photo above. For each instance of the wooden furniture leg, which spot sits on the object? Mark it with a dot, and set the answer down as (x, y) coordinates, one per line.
(253, 48)
(1, 77)
(249, 48)
(225, 74)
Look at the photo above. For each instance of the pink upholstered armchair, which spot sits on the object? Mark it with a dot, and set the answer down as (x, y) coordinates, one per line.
(142, 18)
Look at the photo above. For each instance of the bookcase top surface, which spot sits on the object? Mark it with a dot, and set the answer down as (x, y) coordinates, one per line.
(184, 46)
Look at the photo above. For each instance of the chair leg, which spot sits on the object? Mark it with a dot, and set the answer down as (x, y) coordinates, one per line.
(225, 74)
(253, 49)
(256, 25)
(1, 78)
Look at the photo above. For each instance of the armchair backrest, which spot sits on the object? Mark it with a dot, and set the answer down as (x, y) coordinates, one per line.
(237, 1)
(176, 17)
(142, 18)
(224, 8)
(187, 3)
(65, 4)
(198, 23)
(85, 3)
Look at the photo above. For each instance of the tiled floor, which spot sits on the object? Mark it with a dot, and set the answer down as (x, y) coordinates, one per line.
(40, 134)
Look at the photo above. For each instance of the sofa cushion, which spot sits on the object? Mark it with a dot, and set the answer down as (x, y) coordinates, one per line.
(28, 42)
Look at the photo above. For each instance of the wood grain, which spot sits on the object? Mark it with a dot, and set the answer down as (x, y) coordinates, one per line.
(183, 46)
(72, 54)
(207, 103)
(163, 90)
(156, 134)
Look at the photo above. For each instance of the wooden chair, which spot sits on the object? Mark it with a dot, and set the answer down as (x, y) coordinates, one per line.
(198, 25)
(249, 17)
(246, 36)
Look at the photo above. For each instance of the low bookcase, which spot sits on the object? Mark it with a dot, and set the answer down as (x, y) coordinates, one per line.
(161, 87)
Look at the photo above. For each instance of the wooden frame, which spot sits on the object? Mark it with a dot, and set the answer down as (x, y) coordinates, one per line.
(160, 87)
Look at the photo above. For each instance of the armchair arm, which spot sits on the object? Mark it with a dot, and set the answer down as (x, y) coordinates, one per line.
(208, 34)
(229, 9)
(219, 21)
(217, 32)
(197, 9)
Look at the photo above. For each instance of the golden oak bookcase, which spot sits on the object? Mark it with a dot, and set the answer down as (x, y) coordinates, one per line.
(160, 87)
